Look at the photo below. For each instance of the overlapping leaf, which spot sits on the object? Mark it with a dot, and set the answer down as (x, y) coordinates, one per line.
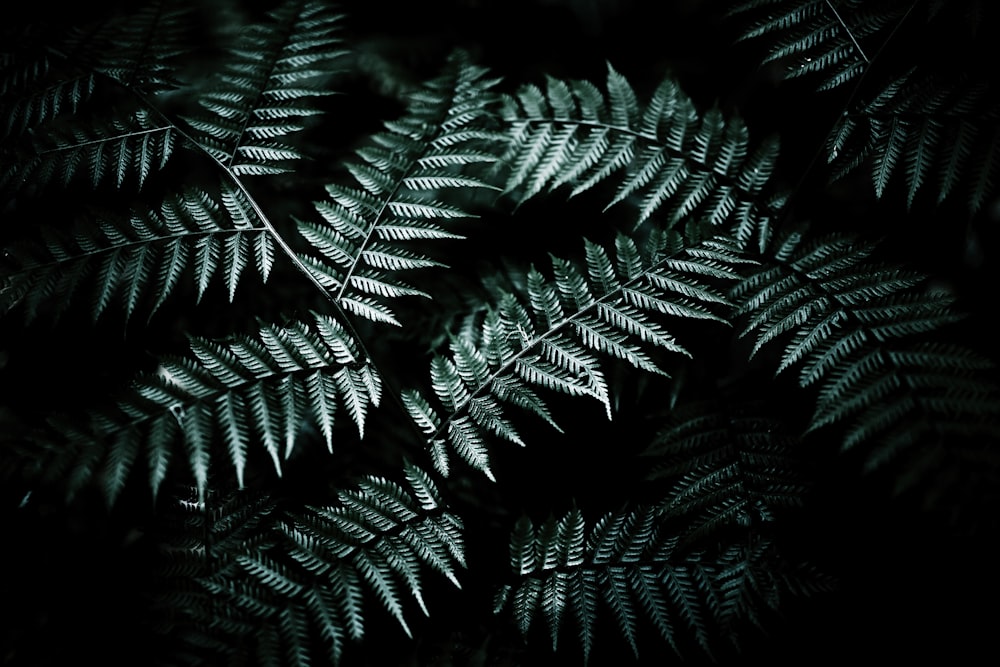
(293, 586)
(856, 327)
(627, 568)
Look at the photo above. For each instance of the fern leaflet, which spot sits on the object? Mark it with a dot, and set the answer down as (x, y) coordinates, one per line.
(141, 259)
(821, 39)
(727, 465)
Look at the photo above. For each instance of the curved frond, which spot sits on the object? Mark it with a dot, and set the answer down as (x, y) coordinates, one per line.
(667, 158)
(140, 260)
(231, 398)
(857, 329)
(828, 299)
(618, 309)
(406, 177)
(269, 88)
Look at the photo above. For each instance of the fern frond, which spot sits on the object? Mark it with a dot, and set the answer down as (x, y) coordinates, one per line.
(615, 309)
(628, 567)
(899, 397)
(299, 580)
(937, 132)
(669, 159)
(119, 150)
(438, 149)
(727, 465)
(828, 299)
(826, 40)
(249, 392)
(139, 260)
(855, 329)
(270, 88)
(140, 49)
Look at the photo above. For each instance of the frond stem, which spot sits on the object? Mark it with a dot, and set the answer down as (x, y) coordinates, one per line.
(847, 30)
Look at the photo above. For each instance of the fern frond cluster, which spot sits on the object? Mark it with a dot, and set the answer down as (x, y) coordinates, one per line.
(270, 324)
(293, 585)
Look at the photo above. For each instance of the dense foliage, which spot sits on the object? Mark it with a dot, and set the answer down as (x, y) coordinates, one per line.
(483, 333)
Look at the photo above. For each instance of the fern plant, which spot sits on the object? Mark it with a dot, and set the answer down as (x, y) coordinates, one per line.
(322, 346)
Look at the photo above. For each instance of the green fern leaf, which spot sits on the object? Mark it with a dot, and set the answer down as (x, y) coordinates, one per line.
(139, 260)
(299, 578)
(269, 89)
(119, 150)
(830, 301)
(628, 565)
(612, 308)
(262, 388)
(440, 147)
(818, 39)
(670, 159)
(939, 392)
(726, 465)
(941, 132)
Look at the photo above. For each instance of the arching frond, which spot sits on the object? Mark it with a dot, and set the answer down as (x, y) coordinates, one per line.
(938, 132)
(668, 159)
(235, 396)
(727, 464)
(830, 41)
(827, 298)
(407, 176)
(300, 580)
(270, 88)
(122, 149)
(856, 328)
(628, 569)
(898, 398)
(140, 259)
(617, 308)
